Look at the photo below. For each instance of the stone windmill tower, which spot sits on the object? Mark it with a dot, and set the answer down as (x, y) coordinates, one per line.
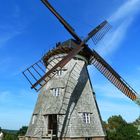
(66, 107)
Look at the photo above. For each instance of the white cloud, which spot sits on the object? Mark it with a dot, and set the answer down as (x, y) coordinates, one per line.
(8, 36)
(3, 96)
(109, 91)
(128, 9)
(122, 19)
(112, 102)
(16, 104)
(138, 68)
(16, 98)
(11, 26)
(114, 39)
(5, 64)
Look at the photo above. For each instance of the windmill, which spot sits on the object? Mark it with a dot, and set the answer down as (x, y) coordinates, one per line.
(66, 107)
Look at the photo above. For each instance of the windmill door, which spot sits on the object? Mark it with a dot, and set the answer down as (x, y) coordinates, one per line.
(52, 123)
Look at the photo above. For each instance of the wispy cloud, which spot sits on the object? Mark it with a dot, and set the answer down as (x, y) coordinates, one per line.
(4, 64)
(138, 68)
(121, 20)
(127, 10)
(112, 102)
(8, 35)
(16, 97)
(16, 104)
(11, 26)
(109, 91)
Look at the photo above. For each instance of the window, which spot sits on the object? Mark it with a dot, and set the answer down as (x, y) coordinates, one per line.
(56, 91)
(34, 119)
(86, 117)
(59, 72)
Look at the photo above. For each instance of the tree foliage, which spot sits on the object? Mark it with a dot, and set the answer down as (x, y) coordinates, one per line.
(8, 136)
(13, 135)
(22, 131)
(118, 129)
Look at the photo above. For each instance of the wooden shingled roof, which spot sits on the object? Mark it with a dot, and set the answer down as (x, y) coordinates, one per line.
(63, 48)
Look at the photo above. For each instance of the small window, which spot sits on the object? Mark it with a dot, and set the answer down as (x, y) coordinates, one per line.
(86, 117)
(56, 91)
(34, 119)
(59, 72)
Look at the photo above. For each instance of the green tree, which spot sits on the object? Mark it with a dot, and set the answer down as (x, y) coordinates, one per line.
(8, 136)
(137, 121)
(127, 132)
(22, 131)
(115, 121)
(119, 129)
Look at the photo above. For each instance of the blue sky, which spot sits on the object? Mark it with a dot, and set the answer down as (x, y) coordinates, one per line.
(28, 30)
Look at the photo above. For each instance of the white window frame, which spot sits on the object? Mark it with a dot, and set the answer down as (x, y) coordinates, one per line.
(56, 91)
(60, 72)
(86, 117)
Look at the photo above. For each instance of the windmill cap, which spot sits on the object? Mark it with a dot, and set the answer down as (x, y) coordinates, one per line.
(64, 48)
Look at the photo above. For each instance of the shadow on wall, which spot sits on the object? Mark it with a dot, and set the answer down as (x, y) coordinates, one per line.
(82, 80)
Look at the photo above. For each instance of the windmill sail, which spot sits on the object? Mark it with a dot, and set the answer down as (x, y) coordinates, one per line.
(47, 76)
(100, 34)
(50, 74)
(43, 79)
(34, 72)
(62, 20)
(96, 59)
(99, 31)
(113, 76)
